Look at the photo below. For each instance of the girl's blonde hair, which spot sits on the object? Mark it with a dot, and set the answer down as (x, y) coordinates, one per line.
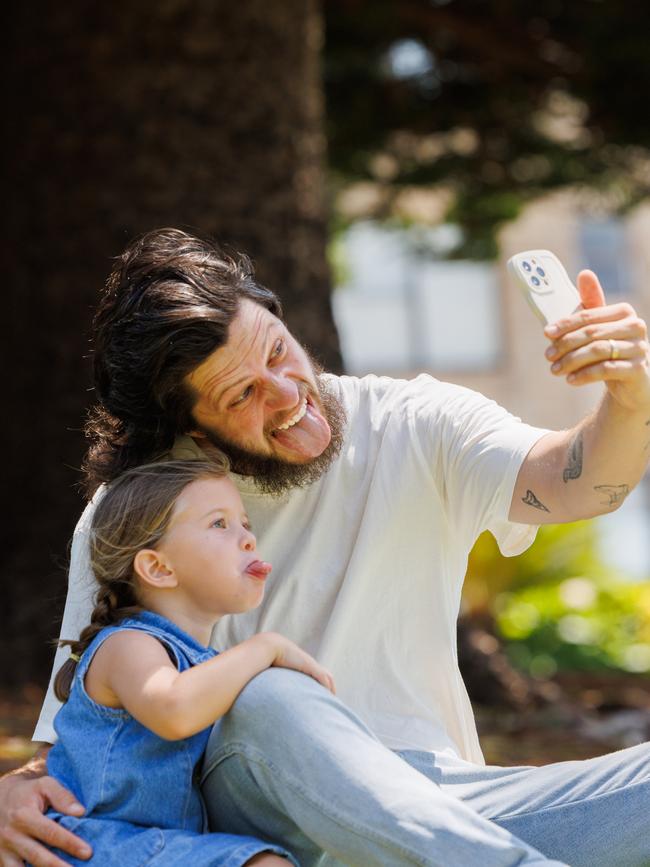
(134, 513)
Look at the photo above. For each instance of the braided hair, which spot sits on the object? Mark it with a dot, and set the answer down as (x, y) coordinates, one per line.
(133, 513)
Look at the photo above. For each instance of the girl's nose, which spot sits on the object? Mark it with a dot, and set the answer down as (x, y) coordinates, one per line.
(248, 541)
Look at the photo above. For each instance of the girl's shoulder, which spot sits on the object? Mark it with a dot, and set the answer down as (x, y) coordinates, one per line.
(125, 653)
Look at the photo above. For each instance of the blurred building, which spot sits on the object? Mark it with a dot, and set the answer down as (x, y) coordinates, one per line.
(401, 308)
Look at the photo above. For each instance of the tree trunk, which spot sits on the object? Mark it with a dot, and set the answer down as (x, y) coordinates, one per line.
(206, 115)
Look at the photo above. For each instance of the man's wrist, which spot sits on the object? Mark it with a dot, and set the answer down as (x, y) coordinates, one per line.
(34, 768)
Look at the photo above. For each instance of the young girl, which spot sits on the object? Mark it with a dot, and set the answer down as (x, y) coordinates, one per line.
(172, 552)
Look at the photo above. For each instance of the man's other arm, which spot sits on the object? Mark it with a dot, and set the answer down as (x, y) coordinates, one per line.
(25, 794)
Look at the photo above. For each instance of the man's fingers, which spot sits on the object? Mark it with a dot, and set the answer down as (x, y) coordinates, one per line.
(7, 859)
(600, 350)
(590, 290)
(588, 318)
(60, 798)
(606, 371)
(28, 850)
(37, 827)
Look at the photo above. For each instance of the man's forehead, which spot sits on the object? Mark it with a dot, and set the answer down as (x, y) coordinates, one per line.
(247, 338)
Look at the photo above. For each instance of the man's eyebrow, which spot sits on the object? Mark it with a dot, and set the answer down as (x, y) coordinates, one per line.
(220, 394)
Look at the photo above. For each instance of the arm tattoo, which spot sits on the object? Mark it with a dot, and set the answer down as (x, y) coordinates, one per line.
(531, 500)
(573, 468)
(615, 493)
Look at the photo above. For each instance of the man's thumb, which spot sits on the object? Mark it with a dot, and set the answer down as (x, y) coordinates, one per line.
(590, 290)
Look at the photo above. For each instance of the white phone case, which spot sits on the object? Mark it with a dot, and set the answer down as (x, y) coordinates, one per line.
(545, 283)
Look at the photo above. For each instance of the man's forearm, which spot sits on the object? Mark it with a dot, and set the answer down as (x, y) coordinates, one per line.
(35, 767)
(605, 458)
(586, 471)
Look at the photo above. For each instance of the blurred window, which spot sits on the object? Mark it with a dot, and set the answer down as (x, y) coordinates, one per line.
(400, 310)
(603, 249)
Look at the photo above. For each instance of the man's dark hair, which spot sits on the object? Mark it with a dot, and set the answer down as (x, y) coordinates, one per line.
(166, 306)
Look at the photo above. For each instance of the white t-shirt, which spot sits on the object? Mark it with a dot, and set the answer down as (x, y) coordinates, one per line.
(368, 562)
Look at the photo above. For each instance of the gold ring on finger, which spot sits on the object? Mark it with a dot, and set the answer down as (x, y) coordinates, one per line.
(613, 351)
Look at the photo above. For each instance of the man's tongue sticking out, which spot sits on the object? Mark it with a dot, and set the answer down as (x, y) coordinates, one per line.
(306, 439)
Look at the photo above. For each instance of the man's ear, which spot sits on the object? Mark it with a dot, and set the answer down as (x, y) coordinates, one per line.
(151, 567)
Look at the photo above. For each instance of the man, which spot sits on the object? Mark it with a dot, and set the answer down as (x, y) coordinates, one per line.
(367, 496)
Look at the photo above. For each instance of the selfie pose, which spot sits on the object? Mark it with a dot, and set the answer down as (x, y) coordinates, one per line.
(367, 496)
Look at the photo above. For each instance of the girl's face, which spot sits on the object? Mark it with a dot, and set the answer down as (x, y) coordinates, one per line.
(210, 549)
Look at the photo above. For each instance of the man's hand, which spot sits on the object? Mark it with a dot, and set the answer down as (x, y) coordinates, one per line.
(23, 800)
(603, 344)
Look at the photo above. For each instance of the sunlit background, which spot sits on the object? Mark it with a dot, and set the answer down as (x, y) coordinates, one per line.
(380, 161)
(414, 291)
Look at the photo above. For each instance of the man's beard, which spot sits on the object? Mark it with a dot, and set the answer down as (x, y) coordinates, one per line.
(274, 476)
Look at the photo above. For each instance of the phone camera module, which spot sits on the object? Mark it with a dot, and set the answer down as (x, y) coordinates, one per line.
(526, 266)
(535, 281)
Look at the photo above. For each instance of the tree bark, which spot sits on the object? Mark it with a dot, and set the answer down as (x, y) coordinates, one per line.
(206, 115)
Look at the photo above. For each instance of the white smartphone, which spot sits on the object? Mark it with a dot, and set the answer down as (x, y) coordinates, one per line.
(545, 283)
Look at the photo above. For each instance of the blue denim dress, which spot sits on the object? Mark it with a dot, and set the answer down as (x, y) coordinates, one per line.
(142, 801)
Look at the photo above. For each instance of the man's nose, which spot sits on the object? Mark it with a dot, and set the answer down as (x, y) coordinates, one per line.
(282, 392)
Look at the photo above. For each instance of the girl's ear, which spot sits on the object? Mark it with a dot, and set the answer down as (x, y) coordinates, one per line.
(152, 568)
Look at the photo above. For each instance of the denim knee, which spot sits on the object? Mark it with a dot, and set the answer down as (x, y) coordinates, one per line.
(278, 698)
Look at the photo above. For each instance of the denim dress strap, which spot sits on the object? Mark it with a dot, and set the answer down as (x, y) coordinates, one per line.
(184, 649)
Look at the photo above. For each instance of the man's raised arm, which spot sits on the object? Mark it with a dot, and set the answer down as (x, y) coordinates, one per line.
(589, 470)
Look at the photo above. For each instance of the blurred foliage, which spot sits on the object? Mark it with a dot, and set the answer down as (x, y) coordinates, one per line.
(491, 101)
(558, 607)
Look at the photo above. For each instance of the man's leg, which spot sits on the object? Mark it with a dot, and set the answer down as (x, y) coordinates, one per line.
(593, 813)
(292, 764)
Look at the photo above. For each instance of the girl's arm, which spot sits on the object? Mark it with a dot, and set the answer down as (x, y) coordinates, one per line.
(132, 670)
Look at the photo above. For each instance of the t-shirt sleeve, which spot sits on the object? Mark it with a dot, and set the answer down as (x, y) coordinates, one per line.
(478, 450)
(76, 615)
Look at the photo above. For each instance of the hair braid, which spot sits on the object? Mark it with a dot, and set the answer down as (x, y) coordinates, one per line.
(133, 514)
(115, 601)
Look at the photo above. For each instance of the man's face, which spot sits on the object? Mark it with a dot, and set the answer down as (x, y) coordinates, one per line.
(259, 393)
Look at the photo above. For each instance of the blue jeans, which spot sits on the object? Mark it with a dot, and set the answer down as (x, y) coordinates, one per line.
(292, 764)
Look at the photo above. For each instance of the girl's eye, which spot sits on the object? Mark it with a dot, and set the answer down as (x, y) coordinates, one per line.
(220, 522)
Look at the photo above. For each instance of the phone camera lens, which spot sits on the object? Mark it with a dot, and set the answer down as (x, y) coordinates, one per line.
(526, 266)
(541, 272)
(535, 281)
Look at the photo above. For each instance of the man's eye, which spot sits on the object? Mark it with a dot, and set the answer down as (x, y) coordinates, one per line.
(242, 397)
(278, 348)
(220, 522)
